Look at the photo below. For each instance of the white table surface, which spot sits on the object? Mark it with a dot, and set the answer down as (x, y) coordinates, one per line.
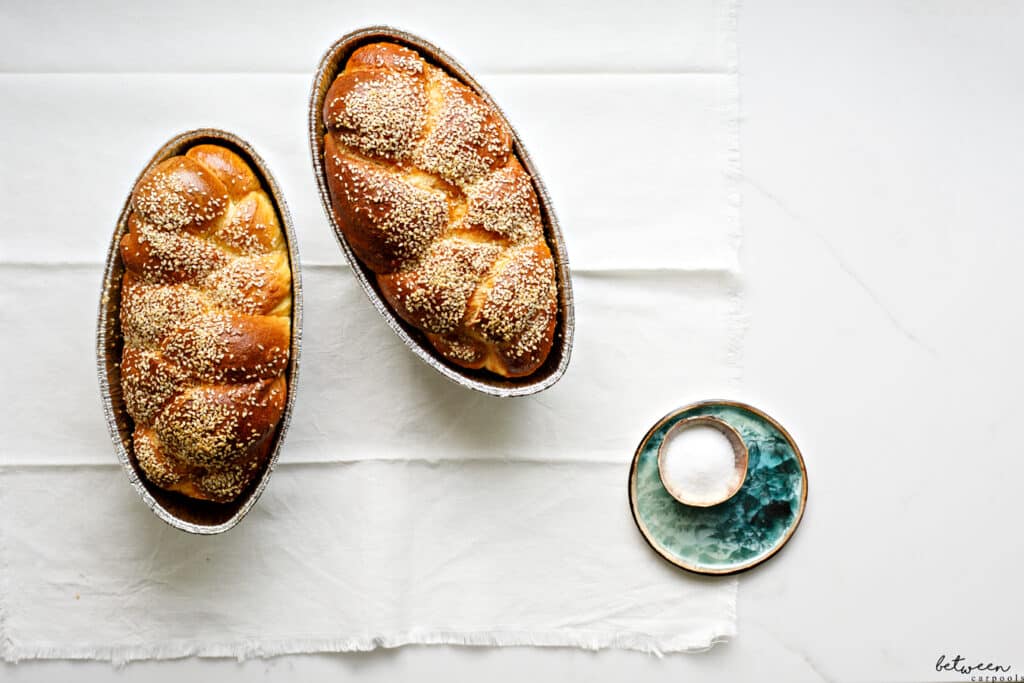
(882, 151)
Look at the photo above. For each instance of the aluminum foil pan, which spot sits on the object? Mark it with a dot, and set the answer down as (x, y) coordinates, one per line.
(558, 360)
(182, 512)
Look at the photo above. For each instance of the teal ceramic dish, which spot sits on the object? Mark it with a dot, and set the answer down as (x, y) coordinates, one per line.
(741, 532)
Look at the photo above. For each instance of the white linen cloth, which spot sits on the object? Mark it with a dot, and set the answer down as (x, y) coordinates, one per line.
(404, 509)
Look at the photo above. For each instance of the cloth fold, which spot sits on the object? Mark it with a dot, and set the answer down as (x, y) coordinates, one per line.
(346, 556)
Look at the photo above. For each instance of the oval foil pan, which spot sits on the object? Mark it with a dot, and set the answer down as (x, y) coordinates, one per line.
(558, 360)
(182, 512)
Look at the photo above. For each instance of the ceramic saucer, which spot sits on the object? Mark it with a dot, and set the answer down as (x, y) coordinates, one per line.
(744, 530)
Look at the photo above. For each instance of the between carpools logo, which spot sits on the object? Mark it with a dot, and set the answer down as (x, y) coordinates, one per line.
(975, 670)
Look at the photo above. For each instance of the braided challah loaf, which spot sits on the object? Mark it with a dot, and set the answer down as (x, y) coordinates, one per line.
(206, 319)
(430, 196)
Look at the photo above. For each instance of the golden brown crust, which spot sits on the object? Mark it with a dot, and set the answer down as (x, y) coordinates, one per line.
(434, 295)
(388, 221)
(466, 138)
(206, 316)
(505, 206)
(386, 55)
(163, 256)
(429, 195)
(230, 169)
(180, 194)
(379, 112)
(250, 229)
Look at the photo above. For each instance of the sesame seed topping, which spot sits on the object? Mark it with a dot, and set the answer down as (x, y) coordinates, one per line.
(504, 203)
(174, 195)
(382, 116)
(466, 139)
(523, 288)
(205, 285)
(403, 218)
(430, 196)
(436, 292)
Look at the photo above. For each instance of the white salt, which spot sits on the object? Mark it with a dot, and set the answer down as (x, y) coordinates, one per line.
(699, 463)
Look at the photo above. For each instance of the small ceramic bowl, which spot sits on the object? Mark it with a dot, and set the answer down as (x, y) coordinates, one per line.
(333, 62)
(740, 460)
(182, 512)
